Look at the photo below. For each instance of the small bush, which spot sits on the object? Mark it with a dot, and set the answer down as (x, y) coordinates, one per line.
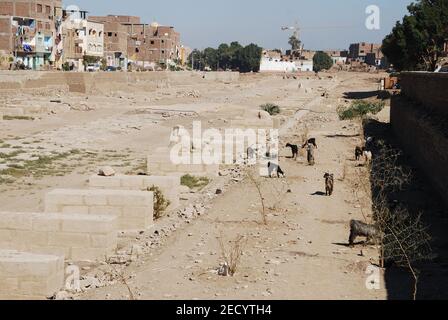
(194, 182)
(359, 109)
(160, 203)
(232, 255)
(17, 118)
(270, 108)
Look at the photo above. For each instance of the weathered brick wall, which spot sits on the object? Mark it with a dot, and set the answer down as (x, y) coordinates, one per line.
(76, 237)
(168, 185)
(84, 82)
(427, 88)
(134, 209)
(29, 276)
(416, 117)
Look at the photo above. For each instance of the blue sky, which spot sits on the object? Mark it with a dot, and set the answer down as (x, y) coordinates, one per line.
(327, 24)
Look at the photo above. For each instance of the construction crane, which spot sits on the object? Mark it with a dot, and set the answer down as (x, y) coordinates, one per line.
(296, 30)
(296, 35)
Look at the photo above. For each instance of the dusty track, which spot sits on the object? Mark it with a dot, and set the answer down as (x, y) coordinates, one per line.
(300, 254)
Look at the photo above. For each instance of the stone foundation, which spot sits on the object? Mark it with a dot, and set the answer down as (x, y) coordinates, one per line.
(75, 236)
(134, 209)
(27, 276)
(168, 185)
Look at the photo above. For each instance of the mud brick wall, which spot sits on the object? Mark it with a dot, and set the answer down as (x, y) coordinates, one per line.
(100, 82)
(418, 117)
(427, 88)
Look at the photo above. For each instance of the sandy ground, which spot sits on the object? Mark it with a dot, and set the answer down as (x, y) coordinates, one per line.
(301, 253)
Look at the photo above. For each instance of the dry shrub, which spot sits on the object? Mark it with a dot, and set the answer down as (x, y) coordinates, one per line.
(160, 203)
(232, 254)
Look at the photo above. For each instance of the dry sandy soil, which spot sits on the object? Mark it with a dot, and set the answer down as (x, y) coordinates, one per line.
(301, 253)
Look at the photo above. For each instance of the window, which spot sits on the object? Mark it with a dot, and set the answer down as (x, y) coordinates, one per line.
(48, 9)
(163, 41)
(47, 26)
(116, 35)
(109, 34)
(137, 50)
(152, 41)
(39, 8)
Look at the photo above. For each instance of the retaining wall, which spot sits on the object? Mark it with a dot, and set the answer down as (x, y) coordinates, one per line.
(419, 118)
(134, 209)
(26, 276)
(74, 236)
(168, 185)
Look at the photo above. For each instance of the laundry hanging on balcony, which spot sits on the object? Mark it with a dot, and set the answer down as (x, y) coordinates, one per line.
(27, 48)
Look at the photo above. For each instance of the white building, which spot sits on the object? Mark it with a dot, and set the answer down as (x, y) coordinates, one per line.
(93, 39)
(274, 61)
(277, 65)
(339, 60)
(81, 38)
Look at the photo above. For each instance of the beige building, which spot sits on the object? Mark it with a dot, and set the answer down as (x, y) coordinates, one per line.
(115, 40)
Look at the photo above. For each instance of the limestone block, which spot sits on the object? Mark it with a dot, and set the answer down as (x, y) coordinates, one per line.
(30, 276)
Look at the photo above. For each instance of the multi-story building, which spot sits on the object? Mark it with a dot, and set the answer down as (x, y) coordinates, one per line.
(30, 31)
(147, 45)
(338, 56)
(115, 40)
(359, 51)
(82, 39)
(150, 44)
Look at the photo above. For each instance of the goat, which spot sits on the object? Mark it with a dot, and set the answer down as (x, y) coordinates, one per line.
(358, 153)
(310, 141)
(368, 157)
(329, 184)
(272, 167)
(310, 154)
(294, 150)
(361, 229)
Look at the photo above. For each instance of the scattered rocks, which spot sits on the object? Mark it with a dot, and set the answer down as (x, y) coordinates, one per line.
(106, 172)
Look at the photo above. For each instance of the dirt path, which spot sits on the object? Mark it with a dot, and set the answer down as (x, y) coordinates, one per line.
(300, 254)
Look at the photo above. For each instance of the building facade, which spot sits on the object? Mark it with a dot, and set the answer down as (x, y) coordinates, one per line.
(30, 31)
(360, 51)
(338, 56)
(82, 39)
(115, 41)
(275, 61)
(128, 39)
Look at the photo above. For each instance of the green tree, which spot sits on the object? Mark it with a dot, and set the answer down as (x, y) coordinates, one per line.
(224, 56)
(249, 58)
(294, 43)
(416, 43)
(211, 58)
(233, 56)
(322, 61)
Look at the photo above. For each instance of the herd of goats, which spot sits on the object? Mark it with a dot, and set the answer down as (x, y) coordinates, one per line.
(357, 228)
